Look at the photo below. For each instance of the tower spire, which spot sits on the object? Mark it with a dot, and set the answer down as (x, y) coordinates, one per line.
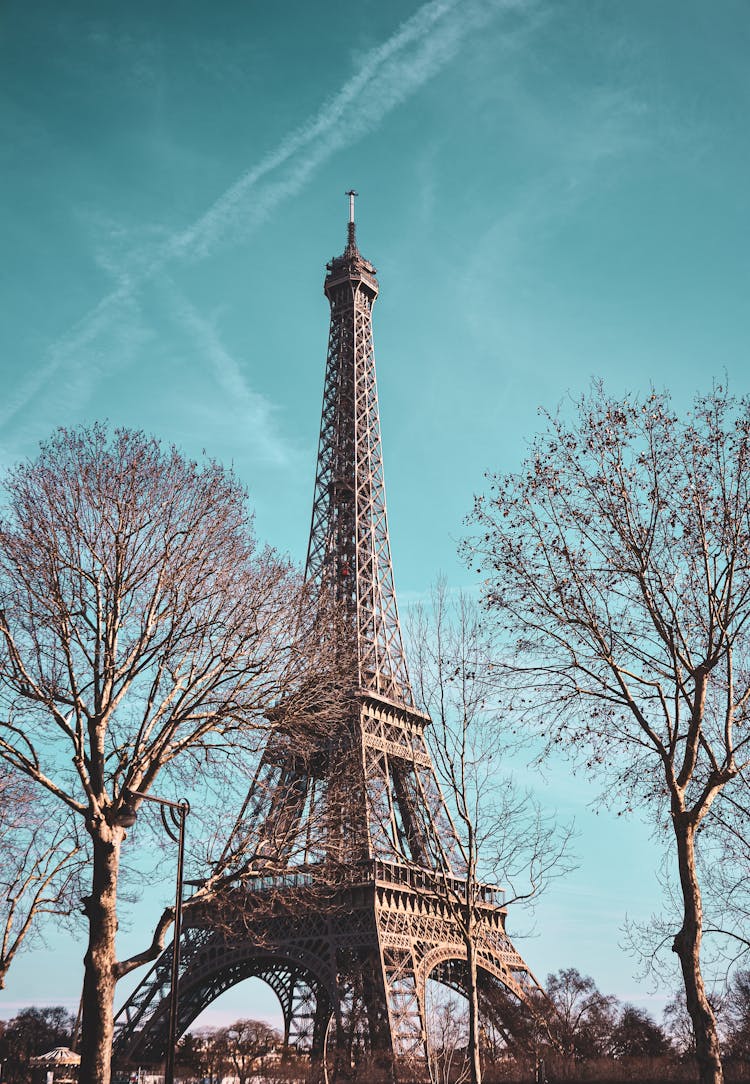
(351, 242)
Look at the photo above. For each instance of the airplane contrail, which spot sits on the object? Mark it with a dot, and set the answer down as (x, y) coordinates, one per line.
(389, 74)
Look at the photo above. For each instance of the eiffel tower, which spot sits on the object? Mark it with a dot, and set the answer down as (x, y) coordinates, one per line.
(342, 913)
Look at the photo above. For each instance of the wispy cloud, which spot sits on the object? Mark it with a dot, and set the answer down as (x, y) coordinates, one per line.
(256, 414)
(387, 76)
(582, 145)
(107, 337)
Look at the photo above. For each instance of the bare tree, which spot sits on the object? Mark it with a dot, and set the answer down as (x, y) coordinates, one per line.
(736, 1016)
(499, 830)
(678, 1026)
(239, 1051)
(618, 561)
(447, 1026)
(142, 630)
(31, 1032)
(724, 864)
(204, 1052)
(247, 1043)
(637, 1035)
(40, 864)
(585, 1017)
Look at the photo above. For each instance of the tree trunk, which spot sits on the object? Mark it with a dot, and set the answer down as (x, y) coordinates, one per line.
(99, 962)
(687, 946)
(475, 1065)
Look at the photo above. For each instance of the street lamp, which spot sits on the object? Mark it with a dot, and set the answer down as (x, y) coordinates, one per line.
(173, 816)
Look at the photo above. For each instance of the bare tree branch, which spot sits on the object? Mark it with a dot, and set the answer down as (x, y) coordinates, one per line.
(139, 623)
(41, 860)
(617, 562)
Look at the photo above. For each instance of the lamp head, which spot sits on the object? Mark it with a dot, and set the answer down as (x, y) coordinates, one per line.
(126, 815)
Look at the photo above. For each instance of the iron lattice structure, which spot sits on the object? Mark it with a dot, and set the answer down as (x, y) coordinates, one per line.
(349, 556)
(345, 912)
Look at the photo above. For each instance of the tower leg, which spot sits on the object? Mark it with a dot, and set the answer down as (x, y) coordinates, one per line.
(405, 1000)
(302, 1015)
(285, 994)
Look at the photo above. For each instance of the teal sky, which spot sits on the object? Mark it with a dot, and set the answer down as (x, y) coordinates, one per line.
(549, 191)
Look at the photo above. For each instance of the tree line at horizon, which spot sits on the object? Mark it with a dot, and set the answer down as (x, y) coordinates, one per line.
(596, 1030)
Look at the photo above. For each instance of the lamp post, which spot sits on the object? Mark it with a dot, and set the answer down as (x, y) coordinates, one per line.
(177, 812)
